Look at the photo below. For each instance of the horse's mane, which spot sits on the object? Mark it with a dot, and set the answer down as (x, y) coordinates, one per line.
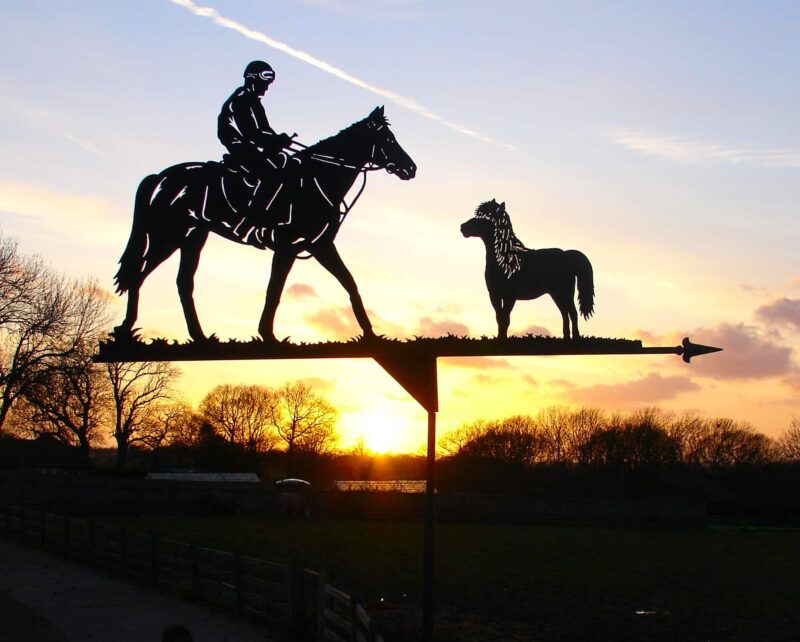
(507, 247)
(337, 145)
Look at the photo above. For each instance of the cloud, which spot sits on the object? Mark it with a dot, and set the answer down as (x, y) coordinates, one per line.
(686, 150)
(746, 354)
(530, 381)
(339, 321)
(481, 363)
(317, 383)
(782, 312)
(84, 144)
(487, 380)
(301, 291)
(397, 99)
(650, 389)
(87, 219)
(342, 323)
(430, 328)
(792, 381)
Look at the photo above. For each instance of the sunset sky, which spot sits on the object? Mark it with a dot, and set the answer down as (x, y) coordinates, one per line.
(660, 138)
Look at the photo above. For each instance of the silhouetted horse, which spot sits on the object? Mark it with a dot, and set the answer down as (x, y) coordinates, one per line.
(514, 272)
(177, 208)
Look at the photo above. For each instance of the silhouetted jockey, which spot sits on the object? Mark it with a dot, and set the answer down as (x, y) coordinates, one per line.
(243, 128)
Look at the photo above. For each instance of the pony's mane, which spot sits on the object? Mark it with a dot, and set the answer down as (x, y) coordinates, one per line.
(507, 247)
(334, 144)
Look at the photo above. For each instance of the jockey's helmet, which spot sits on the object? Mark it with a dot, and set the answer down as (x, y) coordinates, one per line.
(259, 69)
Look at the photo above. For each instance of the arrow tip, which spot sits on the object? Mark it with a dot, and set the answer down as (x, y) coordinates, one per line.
(689, 350)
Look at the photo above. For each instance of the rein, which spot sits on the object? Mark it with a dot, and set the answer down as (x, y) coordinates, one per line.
(345, 207)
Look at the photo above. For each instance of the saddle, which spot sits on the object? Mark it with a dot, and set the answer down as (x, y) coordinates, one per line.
(246, 190)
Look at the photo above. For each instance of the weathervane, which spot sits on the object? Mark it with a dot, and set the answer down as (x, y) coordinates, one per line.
(271, 192)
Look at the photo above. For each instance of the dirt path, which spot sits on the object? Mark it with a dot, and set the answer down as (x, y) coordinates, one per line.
(46, 599)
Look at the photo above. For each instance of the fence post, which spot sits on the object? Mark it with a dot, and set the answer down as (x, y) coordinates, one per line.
(237, 581)
(22, 525)
(322, 581)
(194, 569)
(154, 557)
(41, 529)
(297, 599)
(123, 543)
(90, 546)
(66, 536)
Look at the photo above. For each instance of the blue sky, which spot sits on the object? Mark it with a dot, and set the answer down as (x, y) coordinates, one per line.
(660, 138)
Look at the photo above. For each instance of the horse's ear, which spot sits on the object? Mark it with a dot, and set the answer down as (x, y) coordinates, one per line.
(502, 206)
(377, 114)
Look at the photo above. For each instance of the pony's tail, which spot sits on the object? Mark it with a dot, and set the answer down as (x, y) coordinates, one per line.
(132, 260)
(583, 270)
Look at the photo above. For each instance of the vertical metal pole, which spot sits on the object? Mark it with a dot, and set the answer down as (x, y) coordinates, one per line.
(429, 544)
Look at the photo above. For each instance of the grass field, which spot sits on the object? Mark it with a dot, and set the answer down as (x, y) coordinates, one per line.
(501, 582)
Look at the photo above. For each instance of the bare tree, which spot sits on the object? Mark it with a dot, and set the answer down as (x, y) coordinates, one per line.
(18, 276)
(728, 443)
(515, 440)
(136, 391)
(584, 423)
(453, 442)
(788, 444)
(304, 421)
(553, 424)
(43, 325)
(690, 433)
(243, 415)
(69, 400)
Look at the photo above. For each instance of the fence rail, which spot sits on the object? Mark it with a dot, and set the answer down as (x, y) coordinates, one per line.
(301, 598)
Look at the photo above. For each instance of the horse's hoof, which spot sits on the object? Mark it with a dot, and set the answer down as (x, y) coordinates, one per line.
(121, 334)
(268, 337)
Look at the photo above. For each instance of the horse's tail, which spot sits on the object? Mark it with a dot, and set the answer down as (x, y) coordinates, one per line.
(584, 272)
(132, 260)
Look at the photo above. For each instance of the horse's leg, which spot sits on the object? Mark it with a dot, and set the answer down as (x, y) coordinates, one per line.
(282, 263)
(190, 257)
(158, 251)
(328, 257)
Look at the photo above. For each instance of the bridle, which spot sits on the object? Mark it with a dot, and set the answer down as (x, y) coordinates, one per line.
(370, 166)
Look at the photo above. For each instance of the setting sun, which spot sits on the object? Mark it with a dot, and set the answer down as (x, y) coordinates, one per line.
(382, 431)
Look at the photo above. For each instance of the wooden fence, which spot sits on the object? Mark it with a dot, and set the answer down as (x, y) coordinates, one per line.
(302, 599)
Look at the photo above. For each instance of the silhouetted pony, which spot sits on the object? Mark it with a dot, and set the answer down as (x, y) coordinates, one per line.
(514, 272)
(300, 211)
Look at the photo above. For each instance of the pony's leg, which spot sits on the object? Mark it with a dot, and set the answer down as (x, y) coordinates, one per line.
(282, 263)
(563, 307)
(190, 257)
(573, 316)
(502, 312)
(328, 257)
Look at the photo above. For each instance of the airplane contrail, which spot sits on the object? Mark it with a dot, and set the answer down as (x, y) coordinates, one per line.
(402, 101)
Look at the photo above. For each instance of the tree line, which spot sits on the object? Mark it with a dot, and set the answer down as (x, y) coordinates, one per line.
(647, 437)
(589, 451)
